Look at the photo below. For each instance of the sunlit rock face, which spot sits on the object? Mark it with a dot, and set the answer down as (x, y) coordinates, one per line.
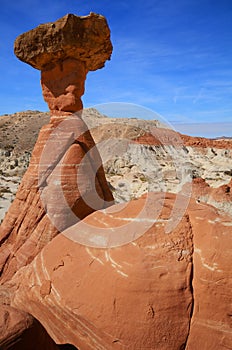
(65, 180)
(65, 51)
(159, 291)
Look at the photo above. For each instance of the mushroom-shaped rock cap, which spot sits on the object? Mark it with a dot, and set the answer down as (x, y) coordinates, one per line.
(85, 38)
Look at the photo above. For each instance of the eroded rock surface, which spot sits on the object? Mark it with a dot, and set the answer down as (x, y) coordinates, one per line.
(83, 38)
(160, 291)
(220, 197)
(61, 145)
(27, 227)
(65, 179)
(210, 326)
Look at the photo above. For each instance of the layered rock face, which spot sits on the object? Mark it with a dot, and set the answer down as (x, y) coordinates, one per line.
(136, 162)
(65, 180)
(159, 291)
(62, 144)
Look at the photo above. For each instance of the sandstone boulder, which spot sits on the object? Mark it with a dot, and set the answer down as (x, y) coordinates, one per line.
(159, 291)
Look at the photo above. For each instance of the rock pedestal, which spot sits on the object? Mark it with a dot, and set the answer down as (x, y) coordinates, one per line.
(63, 86)
(65, 180)
(65, 152)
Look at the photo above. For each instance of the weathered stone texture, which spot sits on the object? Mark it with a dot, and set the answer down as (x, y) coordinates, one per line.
(84, 38)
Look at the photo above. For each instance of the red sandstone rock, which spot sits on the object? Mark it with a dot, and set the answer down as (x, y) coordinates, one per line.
(223, 193)
(200, 187)
(61, 145)
(63, 85)
(65, 180)
(65, 51)
(206, 143)
(221, 197)
(27, 226)
(161, 291)
(118, 298)
(211, 321)
(161, 136)
(20, 331)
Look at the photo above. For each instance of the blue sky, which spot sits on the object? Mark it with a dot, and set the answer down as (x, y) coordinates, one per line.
(174, 57)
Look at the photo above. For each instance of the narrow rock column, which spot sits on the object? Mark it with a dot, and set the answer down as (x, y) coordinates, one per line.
(63, 85)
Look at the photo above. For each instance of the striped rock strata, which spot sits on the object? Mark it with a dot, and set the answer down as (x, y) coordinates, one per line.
(65, 180)
(159, 291)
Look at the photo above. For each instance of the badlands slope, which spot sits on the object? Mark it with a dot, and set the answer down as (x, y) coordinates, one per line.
(138, 156)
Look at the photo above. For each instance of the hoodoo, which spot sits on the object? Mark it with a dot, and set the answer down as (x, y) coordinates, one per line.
(65, 180)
